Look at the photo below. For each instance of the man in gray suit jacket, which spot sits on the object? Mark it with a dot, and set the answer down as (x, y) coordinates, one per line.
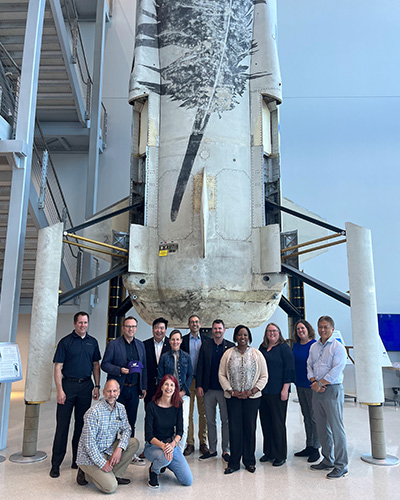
(209, 388)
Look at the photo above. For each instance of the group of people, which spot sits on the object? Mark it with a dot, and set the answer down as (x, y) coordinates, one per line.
(171, 374)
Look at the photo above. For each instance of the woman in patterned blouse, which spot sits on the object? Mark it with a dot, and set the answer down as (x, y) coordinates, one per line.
(242, 375)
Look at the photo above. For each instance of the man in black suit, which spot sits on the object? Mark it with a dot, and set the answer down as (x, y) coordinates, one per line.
(191, 343)
(209, 388)
(155, 347)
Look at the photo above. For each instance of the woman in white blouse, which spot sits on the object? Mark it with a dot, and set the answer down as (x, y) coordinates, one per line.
(242, 375)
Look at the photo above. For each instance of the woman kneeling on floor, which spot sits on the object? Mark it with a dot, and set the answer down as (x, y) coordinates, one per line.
(163, 431)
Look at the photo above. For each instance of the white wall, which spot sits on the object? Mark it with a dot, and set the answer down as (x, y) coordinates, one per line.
(343, 173)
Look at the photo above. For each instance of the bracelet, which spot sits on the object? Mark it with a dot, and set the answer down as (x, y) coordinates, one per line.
(98, 387)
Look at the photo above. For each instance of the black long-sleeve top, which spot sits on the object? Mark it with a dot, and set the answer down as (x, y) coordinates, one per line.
(163, 423)
(280, 363)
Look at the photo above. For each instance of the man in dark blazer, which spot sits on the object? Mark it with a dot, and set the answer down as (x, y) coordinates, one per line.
(191, 343)
(125, 361)
(209, 388)
(155, 347)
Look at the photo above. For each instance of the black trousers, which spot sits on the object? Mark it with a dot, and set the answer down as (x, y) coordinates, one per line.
(242, 416)
(78, 397)
(129, 397)
(273, 423)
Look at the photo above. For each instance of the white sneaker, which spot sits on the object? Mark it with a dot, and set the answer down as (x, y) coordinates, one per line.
(138, 461)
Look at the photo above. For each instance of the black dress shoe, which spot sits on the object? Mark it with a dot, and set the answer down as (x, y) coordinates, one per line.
(278, 463)
(226, 456)
(251, 468)
(204, 449)
(304, 453)
(74, 465)
(80, 478)
(55, 471)
(337, 473)
(122, 480)
(321, 466)
(230, 470)
(314, 456)
(264, 458)
(208, 455)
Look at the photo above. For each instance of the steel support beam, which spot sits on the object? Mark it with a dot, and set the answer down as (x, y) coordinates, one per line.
(92, 174)
(289, 308)
(319, 285)
(18, 208)
(71, 294)
(124, 307)
(306, 217)
(67, 56)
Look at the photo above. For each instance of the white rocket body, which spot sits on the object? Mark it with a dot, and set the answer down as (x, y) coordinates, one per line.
(204, 247)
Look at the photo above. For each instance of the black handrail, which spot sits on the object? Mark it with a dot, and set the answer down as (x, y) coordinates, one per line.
(104, 217)
(306, 217)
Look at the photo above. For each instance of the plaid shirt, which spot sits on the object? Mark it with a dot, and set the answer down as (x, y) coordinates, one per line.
(101, 428)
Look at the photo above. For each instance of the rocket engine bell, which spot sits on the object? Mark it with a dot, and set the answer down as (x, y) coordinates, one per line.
(204, 88)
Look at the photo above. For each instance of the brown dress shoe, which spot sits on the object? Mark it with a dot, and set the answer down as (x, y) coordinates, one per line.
(188, 450)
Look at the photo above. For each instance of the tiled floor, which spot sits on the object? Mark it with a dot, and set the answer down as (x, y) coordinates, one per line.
(294, 480)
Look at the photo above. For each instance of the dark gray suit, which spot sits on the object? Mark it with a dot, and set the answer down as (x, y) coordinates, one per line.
(213, 397)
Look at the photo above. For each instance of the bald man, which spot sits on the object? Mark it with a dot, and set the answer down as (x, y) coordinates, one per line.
(102, 457)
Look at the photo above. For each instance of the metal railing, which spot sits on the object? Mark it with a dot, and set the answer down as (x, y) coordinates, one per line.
(79, 58)
(104, 125)
(9, 88)
(55, 207)
(78, 53)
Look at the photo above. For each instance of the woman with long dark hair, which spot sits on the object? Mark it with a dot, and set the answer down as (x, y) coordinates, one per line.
(304, 336)
(163, 431)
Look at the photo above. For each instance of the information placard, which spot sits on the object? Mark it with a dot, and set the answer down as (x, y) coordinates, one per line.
(10, 362)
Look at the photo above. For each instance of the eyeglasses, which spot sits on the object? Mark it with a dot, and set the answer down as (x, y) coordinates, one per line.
(130, 327)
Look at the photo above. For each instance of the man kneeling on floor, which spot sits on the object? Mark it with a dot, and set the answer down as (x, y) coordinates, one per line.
(102, 457)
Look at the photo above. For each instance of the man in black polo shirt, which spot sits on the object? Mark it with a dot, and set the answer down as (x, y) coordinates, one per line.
(76, 358)
(125, 361)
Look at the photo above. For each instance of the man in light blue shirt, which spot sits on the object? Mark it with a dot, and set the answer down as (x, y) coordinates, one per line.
(325, 366)
(191, 343)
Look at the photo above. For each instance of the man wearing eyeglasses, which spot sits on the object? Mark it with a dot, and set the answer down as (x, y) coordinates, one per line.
(325, 365)
(125, 361)
(191, 343)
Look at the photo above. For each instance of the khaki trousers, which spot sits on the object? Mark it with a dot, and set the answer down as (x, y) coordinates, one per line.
(202, 417)
(106, 481)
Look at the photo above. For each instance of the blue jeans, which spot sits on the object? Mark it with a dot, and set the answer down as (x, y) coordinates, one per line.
(178, 464)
